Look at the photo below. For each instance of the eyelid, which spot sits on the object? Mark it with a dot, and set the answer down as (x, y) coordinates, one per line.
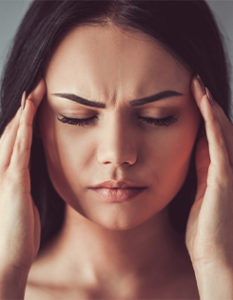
(158, 113)
(77, 114)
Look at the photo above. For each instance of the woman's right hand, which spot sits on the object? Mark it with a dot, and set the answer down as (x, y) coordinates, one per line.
(19, 218)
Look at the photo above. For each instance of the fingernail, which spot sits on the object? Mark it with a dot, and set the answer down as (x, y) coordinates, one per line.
(201, 83)
(209, 96)
(23, 100)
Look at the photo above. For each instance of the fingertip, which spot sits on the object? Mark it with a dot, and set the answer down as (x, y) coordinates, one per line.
(209, 96)
(23, 100)
(200, 83)
(38, 92)
(198, 89)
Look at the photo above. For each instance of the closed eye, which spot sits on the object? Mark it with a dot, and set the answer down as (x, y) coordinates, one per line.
(91, 120)
(76, 121)
(159, 121)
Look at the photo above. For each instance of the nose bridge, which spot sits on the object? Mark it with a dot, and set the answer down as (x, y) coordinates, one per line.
(117, 145)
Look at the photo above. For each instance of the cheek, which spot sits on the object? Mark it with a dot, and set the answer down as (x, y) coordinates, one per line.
(170, 156)
(66, 153)
(65, 145)
(165, 156)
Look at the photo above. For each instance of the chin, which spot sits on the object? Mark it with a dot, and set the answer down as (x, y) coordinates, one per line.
(117, 225)
(115, 216)
(120, 221)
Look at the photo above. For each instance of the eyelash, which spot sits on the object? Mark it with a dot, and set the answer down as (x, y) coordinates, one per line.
(159, 122)
(79, 122)
(85, 122)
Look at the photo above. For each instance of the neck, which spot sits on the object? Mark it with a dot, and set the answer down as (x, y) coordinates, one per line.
(97, 252)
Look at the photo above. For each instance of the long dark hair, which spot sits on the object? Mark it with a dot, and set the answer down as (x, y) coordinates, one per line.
(186, 28)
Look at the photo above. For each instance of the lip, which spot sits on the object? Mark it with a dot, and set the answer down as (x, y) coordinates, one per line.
(118, 191)
(120, 184)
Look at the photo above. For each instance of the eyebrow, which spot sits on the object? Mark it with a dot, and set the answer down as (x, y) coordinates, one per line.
(135, 102)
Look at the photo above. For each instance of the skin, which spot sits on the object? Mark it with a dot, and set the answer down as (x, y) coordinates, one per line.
(118, 146)
(209, 229)
(131, 240)
(95, 256)
(118, 257)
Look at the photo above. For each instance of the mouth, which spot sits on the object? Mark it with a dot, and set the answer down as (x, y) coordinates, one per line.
(118, 194)
(117, 191)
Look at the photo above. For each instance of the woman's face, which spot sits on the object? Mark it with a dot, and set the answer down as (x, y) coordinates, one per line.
(120, 140)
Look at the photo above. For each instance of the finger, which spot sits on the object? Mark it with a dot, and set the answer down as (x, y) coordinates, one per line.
(35, 99)
(217, 147)
(224, 120)
(202, 162)
(37, 227)
(225, 123)
(22, 148)
(38, 93)
(8, 137)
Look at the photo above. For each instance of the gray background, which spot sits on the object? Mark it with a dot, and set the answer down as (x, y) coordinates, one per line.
(12, 11)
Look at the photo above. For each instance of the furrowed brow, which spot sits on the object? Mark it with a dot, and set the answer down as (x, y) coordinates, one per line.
(81, 100)
(135, 102)
(155, 97)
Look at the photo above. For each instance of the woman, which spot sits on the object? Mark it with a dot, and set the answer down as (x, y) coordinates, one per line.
(116, 170)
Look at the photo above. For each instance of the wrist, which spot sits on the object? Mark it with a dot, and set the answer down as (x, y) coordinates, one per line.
(13, 283)
(214, 281)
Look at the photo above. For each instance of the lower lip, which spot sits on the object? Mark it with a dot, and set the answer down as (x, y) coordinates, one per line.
(118, 195)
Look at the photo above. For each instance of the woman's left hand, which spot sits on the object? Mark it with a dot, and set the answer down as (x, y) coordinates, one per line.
(209, 232)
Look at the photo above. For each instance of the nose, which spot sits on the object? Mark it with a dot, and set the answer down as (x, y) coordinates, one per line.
(117, 143)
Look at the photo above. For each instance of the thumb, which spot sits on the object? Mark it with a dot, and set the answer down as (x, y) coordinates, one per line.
(202, 162)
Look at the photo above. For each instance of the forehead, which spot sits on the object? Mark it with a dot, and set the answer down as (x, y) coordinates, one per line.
(110, 60)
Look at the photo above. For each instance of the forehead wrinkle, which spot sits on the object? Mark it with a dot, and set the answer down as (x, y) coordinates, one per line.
(114, 97)
(123, 86)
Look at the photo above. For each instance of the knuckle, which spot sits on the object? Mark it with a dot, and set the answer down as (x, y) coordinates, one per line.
(19, 145)
(21, 140)
(3, 167)
(25, 125)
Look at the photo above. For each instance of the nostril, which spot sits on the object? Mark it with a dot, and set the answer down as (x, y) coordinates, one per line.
(106, 162)
(119, 163)
(116, 151)
(127, 163)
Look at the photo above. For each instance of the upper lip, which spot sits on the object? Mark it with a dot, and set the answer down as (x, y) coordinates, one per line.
(113, 184)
